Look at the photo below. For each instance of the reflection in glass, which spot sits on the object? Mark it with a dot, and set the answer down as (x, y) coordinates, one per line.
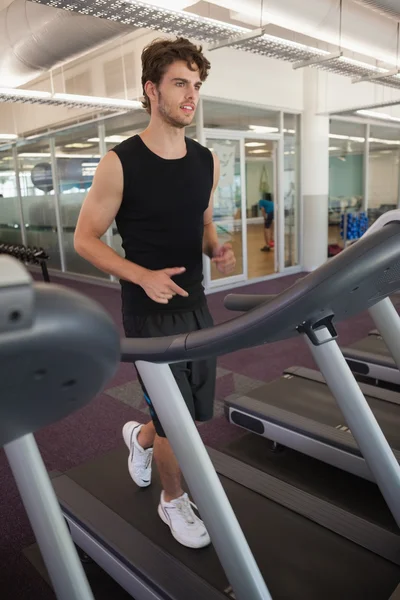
(223, 115)
(290, 187)
(77, 157)
(227, 213)
(383, 170)
(346, 164)
(260, 185)
(38, 201)
(10, 226)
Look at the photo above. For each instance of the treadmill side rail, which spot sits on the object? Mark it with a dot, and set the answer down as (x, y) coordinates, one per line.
(360, 419)
(226, 534)
(138, 565)
(59, 553)
(387, 321)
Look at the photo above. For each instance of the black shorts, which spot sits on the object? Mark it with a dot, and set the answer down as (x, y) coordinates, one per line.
(268, 220)
(196, 380)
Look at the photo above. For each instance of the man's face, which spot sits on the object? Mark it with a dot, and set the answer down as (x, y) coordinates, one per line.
(178, 95)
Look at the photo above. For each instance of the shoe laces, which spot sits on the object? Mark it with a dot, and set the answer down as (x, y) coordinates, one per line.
(184, 506)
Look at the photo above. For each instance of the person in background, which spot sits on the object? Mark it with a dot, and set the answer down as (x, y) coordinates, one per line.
(267, 208)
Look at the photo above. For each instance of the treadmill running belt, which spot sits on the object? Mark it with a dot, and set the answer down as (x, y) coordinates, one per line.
(373, 344)
(315, 401)
(354, 494)
(298, 558)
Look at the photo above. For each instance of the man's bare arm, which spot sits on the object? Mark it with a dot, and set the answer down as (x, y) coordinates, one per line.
(96, 216)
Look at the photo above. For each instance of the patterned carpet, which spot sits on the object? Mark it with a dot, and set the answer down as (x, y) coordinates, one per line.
(96, 428)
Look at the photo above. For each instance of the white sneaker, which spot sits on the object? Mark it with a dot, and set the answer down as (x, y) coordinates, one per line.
(139, 460)
(185, 526)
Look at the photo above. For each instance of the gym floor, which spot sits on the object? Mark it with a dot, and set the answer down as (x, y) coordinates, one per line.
(96, 429)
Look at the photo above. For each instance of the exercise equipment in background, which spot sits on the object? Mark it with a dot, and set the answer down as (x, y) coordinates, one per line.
(27, 255)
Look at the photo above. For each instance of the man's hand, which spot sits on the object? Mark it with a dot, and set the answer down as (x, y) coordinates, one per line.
(159, 286)
(224, 259)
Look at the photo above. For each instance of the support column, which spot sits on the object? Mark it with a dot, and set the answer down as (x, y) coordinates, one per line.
(367, 130)
(315, 172)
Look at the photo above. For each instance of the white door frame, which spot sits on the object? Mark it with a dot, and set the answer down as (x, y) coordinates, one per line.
(227, 134)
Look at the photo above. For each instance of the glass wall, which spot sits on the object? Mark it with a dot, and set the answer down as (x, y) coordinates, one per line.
(360, 182)
(77, 156)
(10, 222)
(346, 168)
(260, 184)
(38, 201)
(55, 173)
(223, 115)
(383, 170)
(227, 214)
(291, 187)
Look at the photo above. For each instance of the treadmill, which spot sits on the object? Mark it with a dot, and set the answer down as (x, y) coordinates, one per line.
(299, 411)
(299, 539)
(57, 351)
(371, 361)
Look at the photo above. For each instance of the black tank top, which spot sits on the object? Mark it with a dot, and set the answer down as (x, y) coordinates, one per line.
(161, 219)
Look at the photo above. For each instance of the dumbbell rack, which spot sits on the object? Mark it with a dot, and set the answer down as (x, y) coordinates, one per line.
(359, 227)
(27, 255)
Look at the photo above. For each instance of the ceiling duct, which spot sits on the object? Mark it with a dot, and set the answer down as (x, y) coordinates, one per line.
(35, 38)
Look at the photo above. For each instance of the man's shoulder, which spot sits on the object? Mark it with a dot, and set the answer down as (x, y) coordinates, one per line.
(126, 145)
(197, 147)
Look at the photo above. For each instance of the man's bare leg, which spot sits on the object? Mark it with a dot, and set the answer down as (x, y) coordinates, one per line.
(167, 465)
(185, 525)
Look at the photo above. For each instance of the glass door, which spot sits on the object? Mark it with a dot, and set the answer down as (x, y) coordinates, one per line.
(229, 198)
(261, 204)
(254, 204)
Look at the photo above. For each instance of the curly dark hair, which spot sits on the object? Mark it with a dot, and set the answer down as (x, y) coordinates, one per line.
(161, 53)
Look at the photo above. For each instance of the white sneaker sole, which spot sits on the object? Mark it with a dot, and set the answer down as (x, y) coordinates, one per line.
(127, 431)
(202, 544)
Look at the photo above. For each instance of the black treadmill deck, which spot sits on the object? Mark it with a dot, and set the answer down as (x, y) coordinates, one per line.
(298, 558)
(302, 394)
(374, 344)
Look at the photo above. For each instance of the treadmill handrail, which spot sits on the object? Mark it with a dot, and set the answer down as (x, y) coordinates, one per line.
(346, 285)
(245, 302)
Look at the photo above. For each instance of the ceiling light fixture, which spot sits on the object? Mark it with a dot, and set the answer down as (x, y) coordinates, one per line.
(377, 115)
(263, 129)
(336, 136)
(111, 139)
(250, 35)
(67, 100)
(387, 142)
(8, 136)
(314, 62)
(376, 76)
(78, 145)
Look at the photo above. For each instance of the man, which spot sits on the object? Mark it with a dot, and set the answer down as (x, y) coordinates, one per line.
(158, 186)
(267, 208)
